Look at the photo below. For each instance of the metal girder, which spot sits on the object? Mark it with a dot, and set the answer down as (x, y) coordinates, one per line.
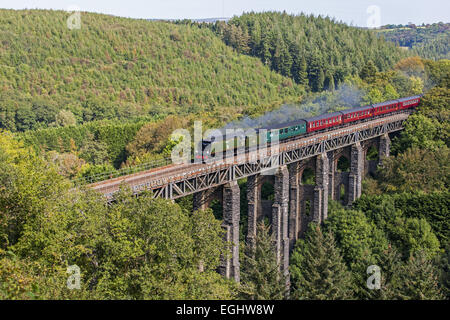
(218, 175)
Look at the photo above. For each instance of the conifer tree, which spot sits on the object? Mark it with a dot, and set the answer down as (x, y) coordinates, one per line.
(317, 268)
(261, 278)
(389, 264)
(329, 82)
(444, 271)
(417, 279)
(302, 73)
(368, 71)
(320, 80)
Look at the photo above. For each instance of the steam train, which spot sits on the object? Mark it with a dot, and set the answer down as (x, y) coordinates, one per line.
(217, 147)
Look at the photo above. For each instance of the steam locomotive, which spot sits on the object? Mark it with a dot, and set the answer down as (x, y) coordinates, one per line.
(208, 149)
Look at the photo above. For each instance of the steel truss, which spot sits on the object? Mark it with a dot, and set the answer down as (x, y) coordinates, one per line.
(216, 175)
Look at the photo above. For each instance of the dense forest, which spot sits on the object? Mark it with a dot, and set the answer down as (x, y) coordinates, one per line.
(314, 51)
(117, 68)
(430, 41)
(108, 95)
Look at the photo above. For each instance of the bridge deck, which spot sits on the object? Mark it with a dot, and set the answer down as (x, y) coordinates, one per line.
(157, 177)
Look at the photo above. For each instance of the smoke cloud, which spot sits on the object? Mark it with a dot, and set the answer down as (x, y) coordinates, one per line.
(346, 96)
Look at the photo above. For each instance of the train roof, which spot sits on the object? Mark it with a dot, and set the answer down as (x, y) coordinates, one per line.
(384, 103)
(325, 116)
(283, 125)
(347, 111)
(409, 98)
(224, 133)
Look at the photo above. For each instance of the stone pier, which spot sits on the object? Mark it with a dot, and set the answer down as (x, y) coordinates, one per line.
(321, 189)
(280, 217)
(231, 215)
(331, 179)
(202, 199)
(254, 206)
(384, 148)
(356, 172)
(294, 204)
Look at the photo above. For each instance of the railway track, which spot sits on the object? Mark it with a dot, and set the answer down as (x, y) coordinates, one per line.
(159, 176)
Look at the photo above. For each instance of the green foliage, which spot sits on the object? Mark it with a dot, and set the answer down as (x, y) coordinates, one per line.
(153, 138)
(98, 141)
(140, 248)
(433, 207)
(65, 118)
(438, 72)
(27, 188)
(118, 68)
(261, 278)
(430, 41)
(315, 51)
(89, 170)
(368, 71)
(421, 132)
(141, 257)
(417, 280)
(416, 169)
(358, 238)
(317, 269)
(94, 152)
(412, 235)
(443, 262)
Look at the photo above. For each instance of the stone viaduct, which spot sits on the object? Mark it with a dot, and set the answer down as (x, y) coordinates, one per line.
(294, 203)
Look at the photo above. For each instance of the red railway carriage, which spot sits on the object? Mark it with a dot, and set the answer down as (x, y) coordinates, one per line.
(385, 107)
(355, 114)
(410, 102)
(323, 121)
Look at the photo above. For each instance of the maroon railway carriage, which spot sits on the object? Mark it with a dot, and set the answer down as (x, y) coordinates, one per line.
(355, 114)
(385, 107)
(410, 102)
(323, 121)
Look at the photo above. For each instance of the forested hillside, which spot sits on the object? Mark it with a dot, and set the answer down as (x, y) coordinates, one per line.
(122, 68)
(314, 51)
(428, 41)
(111, 94)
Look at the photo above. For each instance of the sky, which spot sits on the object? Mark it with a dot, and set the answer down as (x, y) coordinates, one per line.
(356, 12)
